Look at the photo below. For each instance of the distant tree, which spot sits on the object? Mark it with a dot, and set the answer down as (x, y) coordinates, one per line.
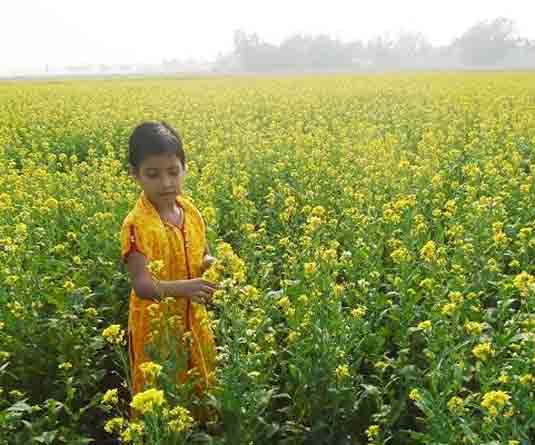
(487, 43)
(380, 50)
(246, 47)
(295, 51)
(412, 49)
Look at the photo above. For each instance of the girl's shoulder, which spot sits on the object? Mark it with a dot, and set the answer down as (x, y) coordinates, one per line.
(188, 204)
(138, 219)
(190, 207)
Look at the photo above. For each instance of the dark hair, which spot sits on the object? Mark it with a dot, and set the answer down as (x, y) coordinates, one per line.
(154, 138)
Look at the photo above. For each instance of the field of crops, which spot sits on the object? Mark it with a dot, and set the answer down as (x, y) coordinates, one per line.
(378, 234)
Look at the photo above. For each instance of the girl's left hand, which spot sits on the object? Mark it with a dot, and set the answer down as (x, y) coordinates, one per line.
(207, 262)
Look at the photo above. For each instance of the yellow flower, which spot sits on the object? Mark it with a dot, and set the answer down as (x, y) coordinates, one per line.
(91, 312)
(65, 365)
(310, 268)
(415, 395)
(494, 400)
(210, 215)
(372, 432)
(155, 267)
(145, 401)
(483, 351)
(358, 312)
(473, 327)
(338, 290)
(150, 371)
(427, 283)
(59, 248)
(134, 431)
(69, 285)
(114, 425)
(51, 203)
(181, 419)
(342, 372)
(456, 405)
(113, 334)
(293, 336)
(110, 397)
(449, 309)
(428, 251)
(303, 299)
(526, 379)
(401, 255)
(425, 325)
(381, 365)
(503, 378)
(456, 297)
(525, 283)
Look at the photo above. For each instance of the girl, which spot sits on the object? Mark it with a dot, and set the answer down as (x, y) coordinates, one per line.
(166, 228)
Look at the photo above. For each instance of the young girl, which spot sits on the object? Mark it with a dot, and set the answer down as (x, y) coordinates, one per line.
(165, 227)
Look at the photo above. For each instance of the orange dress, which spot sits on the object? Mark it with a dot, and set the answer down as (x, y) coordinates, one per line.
(181, 249)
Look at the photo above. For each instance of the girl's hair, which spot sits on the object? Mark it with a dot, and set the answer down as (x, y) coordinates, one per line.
(154, 138)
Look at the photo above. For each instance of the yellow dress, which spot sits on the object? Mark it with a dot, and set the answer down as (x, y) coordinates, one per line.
(181, 249)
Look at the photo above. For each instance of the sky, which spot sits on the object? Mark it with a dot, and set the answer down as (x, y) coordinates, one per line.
(35, 33)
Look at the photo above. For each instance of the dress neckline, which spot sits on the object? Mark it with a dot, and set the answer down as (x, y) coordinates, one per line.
(151, 208)
(172, 224)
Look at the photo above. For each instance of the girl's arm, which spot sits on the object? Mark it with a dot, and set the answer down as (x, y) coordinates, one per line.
(198, 290)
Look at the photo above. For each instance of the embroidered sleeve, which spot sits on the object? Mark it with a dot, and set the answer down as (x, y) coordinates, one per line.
(133, 240)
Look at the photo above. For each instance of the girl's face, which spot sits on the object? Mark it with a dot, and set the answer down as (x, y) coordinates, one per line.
(160, 177)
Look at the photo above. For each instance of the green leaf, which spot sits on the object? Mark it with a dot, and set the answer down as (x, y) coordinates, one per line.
(46, 437)
(19, 407)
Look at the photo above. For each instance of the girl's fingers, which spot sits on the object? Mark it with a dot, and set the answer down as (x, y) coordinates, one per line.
(208, 290)
(204, 296)
(210, 284)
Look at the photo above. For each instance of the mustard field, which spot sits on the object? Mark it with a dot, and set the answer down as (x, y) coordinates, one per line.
(376, 247)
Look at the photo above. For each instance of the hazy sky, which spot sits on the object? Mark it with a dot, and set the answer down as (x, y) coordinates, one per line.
(69, 32)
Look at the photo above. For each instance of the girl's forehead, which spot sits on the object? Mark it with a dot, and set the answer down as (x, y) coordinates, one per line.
(161, 161)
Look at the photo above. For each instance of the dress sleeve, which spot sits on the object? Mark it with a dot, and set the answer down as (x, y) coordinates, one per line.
(134, 240)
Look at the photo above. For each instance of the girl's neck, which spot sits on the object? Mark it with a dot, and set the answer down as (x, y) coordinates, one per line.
(165, 208)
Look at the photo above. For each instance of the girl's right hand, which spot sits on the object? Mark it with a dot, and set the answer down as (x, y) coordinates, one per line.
(198, 290)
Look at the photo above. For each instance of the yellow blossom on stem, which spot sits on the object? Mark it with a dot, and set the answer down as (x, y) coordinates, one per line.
(483, 351)
(110, 397)
(145, 401)
(342, 372)
(113, 334)
(425, 325)
(456, 405)
(150, 371)
(414, 395)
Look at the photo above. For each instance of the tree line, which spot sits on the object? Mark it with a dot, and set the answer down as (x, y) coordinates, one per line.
(487, 44)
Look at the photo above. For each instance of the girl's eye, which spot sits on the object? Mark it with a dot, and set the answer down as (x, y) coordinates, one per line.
(153, 176)
(174, 173)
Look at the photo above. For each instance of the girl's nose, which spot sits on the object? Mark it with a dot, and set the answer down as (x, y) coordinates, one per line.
(166, 181)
